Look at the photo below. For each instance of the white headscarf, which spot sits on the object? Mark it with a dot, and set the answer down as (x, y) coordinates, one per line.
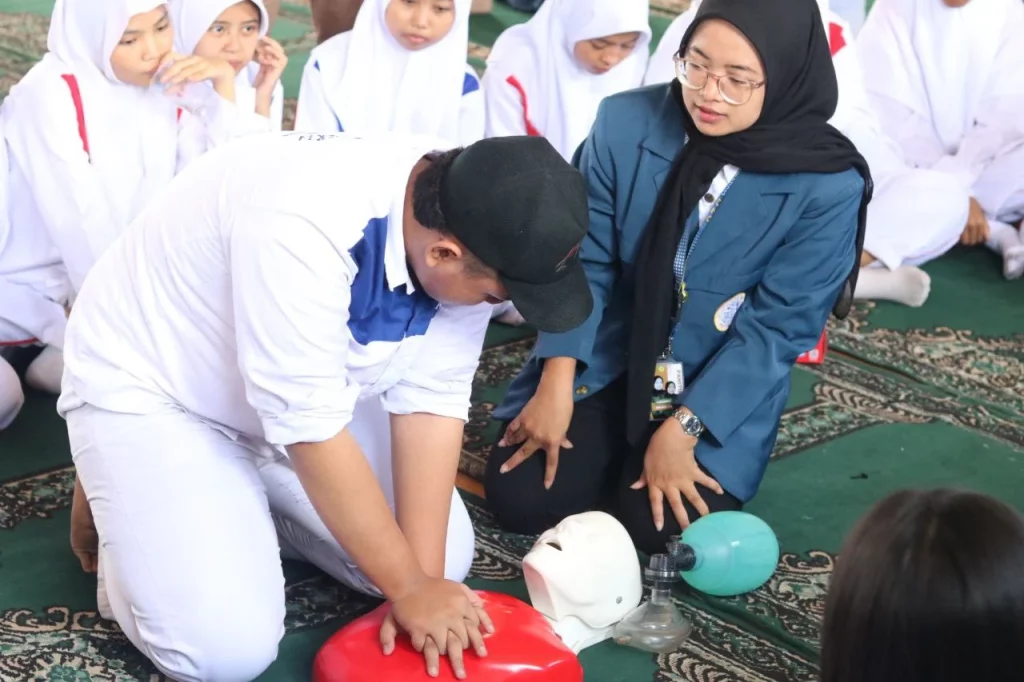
(952, 65)
(193, 18)
(376, 85)
(132, 131)
(563, 96)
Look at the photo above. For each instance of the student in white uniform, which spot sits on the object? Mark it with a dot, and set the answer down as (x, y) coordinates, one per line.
(915, 214)
(547, 76)
(283, 362)
(237, 32)
(947, 80)
(402, 68)
(89, 145)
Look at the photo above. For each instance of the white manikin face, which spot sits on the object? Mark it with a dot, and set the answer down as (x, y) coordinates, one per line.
(585, 568)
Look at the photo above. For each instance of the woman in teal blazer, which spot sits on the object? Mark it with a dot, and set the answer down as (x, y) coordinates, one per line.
(726, 222)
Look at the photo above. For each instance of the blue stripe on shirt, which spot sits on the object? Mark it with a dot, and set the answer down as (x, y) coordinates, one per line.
(378, 313)
(470, 84)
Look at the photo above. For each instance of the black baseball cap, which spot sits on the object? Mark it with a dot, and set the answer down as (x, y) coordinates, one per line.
(519, 207)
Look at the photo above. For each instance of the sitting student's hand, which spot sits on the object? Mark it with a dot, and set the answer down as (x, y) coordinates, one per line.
(542, 425)
(178, 70)
(272, 60)
(977, 230)
(671, 471)
(85, 541)
(441, 618)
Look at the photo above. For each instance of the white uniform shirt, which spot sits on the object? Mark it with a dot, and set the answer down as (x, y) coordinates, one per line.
(267, 292)
(363, 81)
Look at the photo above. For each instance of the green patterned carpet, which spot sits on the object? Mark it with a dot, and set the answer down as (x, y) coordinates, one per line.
(933, 396)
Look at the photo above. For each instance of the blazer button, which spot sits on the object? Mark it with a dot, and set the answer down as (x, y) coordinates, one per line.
(709, 197)
(582, 390)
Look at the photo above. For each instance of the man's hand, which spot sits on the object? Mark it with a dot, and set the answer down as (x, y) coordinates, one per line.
(671, 471)
(977, 230)
(544, 421)
(344, 491)
(85, 541)
(441, 618)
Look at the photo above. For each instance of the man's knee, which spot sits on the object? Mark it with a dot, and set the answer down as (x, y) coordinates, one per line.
(226, 644)
(460, 546)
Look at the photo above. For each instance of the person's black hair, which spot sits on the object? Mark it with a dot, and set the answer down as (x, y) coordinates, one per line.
(426, 203)
(929, 587)
(426, 190)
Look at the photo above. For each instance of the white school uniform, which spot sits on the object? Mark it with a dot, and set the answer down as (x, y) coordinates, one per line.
(67, 205)
(915, 215)
(248, 310)
(535, 86)
(363, 81)
(948, 86)
(192, 19)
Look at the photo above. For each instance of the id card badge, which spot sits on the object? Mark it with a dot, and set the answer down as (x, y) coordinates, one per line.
(668, 383)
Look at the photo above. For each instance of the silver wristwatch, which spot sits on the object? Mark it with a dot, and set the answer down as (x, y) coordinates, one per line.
(691, 425)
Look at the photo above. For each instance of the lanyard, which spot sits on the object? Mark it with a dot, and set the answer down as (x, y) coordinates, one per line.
(687, 243)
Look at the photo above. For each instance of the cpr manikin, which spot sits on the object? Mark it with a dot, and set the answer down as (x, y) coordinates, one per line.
(584, 576)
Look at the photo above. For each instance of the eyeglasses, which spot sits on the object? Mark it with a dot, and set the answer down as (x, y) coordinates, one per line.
(694, 76)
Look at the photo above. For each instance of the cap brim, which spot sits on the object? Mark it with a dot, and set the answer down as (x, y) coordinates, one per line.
(555, 307)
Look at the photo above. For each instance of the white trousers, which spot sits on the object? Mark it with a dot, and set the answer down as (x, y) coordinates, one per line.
(189, 523)
(915, 216)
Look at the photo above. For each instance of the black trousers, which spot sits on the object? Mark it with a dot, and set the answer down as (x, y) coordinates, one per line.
(594, 475)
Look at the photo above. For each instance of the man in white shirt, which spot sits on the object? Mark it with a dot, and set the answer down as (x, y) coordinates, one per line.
(277, 358)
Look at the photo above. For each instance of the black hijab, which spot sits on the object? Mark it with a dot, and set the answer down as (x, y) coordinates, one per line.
(792, 135)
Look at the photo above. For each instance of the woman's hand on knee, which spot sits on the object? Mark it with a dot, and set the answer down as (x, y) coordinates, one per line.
(671, 472)
(542, 425)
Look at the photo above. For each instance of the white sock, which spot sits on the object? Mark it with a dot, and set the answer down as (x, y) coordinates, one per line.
(906, 284)
(1007, 241)
(45, 372)
(11, 395)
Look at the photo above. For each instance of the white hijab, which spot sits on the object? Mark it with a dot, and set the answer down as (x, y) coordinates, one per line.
(563, 96)
(193, 18)
(376, 85)
(951, 65)
(132, 131)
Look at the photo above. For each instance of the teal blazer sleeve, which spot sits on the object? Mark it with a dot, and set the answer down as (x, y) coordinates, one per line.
(599, 252)
(783, 317)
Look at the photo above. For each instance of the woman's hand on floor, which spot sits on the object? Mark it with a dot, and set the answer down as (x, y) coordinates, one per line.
(542, 425)
(670, 472)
